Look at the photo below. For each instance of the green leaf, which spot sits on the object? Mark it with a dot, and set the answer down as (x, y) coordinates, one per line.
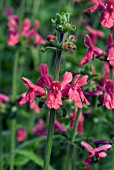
(33, 157)
(21, 160)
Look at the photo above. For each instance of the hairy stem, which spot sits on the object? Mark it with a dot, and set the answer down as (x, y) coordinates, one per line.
(52, 112)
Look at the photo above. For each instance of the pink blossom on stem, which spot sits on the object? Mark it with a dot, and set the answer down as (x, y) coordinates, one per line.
(58, 125)
(98, 152)
(94, 34)
(54, 96)
(40, 128)
(32, 92)
(32, 105)
(3, 98)
(92, 50)
(13, 36)
(75, 92)
(110, 50)
(20, 134)
(80, 121)
(107, 15)
(29, 33)
(108, 99)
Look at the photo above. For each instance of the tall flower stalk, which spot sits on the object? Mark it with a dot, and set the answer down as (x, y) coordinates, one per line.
(13, 121)
(52, 113)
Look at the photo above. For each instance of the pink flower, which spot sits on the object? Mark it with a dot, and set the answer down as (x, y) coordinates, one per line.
(98, 152)
(21, 134)
(94, 34)
(32, 92)
(13, 36)
(92, 50)
(25, 27)
(107, 16)
(38, 40)
(40, 128)
(3, 98)
(45, 79)
(110, 50)
(75, 92)
(58, 125)
(54, 94)
(108, 99)
(80, 121)
(32, 104)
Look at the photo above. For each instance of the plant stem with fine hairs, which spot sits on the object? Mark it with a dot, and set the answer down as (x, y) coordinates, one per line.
(52, 113)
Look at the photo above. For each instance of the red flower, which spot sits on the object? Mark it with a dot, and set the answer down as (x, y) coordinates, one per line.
(92, 50)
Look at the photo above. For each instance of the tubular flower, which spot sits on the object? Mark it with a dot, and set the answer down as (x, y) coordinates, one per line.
(54, 96)
(32, 104)
(98, 152)
(32, 91)
(13, 36)
(55, 90)
(75, 92)
(80, 121)
(108, 99)
(94, 34)
(110, 50)
(92, 50)
(30, 34)
(107, 16)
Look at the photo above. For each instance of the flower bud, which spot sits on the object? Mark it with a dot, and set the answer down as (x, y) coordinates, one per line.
(50, 37)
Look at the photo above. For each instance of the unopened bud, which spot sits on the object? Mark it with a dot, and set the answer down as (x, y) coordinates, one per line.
(50, 37)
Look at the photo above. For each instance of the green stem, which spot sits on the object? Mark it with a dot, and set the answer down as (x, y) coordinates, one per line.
(70, 145)
(12, 158)
(52, 113)
(58, 60)
(14, 78)
(13, 121)
(1, 152)
(49, 140)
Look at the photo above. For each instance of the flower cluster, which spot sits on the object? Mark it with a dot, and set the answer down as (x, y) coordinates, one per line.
(15, 32)
(55, 90)
(107, 15)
